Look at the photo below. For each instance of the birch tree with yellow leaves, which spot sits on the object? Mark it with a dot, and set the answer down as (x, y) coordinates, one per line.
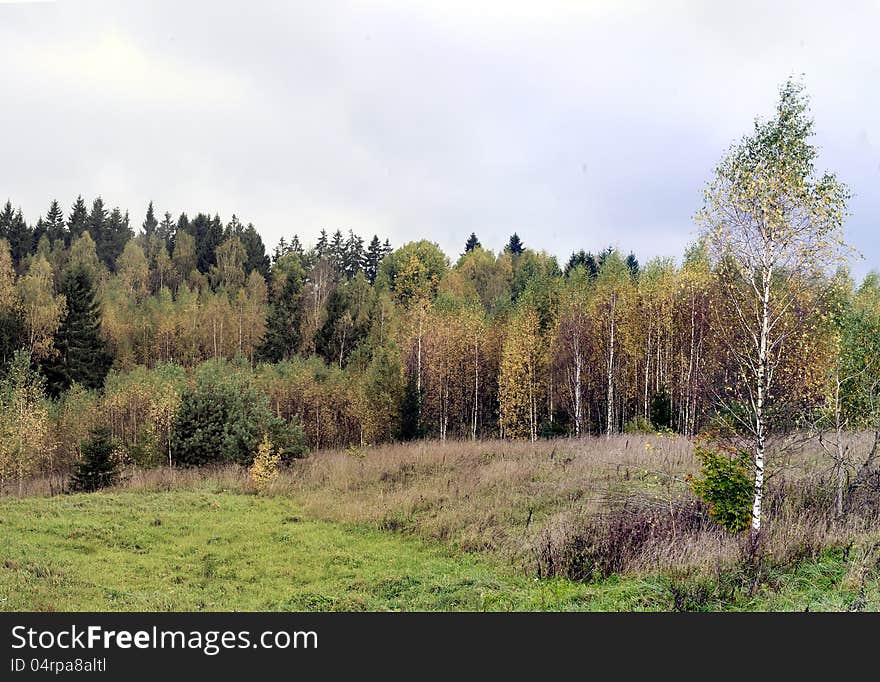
(771, 223)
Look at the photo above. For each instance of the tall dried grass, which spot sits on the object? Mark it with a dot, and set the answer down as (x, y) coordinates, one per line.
(583, 509)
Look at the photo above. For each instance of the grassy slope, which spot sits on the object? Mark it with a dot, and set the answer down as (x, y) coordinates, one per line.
(198, 550)
(220, 551)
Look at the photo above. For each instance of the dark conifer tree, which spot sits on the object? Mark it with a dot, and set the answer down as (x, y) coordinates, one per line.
(21, 239)
(208, 235)
(472, 243)
(322, 245)
(410, 411)
(282, 337)
(373, 257)
(515, 245)
(12, 335)
(81, 355)
(583, 259)
(150, 224)
(116, 234)
(55, 227)
(354, 255)
(6, 217)
(166, 230)
(633, 264)
(78, 220)
(337, 251)
(96, 224)
(256, 251)
(281, 250)
(99, 467)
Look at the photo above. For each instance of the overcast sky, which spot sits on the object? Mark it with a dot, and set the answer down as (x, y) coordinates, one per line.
(575, 124)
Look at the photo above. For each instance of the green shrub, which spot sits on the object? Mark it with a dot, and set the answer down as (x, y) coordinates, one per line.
(725, 485)
(223, 418)
(99, 467)
(638, 425)
(661, 410)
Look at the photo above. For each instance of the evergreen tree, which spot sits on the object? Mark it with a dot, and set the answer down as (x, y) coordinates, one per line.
(55, 227)
(21, 240)
(282, 336)
(150, 224)
(6, 217)
(165, 232)
(410, 411)
(78, 220)
(632, 264)
(208, 233)
(80, 352)
(281, 250)
(373, 257)
(117, 233)
(514, 246)
(354, 255)
(321, 247)
(96, 226)
(256, 251)
(224, 417)
(99, 467)
(585, 260)
(472, 243)
(337, 251)
(661, 410)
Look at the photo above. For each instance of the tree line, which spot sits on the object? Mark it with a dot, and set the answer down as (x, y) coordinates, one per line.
(351, 342)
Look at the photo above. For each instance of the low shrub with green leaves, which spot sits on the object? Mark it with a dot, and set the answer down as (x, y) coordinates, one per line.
(223, 418)
(725, 485)
(100, 466)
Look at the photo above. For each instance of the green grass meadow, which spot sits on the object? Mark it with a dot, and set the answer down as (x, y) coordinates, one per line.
(221, 551)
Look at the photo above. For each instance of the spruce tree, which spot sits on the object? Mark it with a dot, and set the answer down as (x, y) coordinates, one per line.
(632, 264)
(354, 255)
(6, 216)
(321, 246)
(166, 231)
(81, 355)
(99, 467)
(282, 337)
(337, 251)
(472, 243)
(372, 258)
(117, 233)
(96, 224)
(208, 233)
(515, 245)
(150, 224)
(21, 239)
(410, 411)
(256, 251)
(78, 220)
(55, 227)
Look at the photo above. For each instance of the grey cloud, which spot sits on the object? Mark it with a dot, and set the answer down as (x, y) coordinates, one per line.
(575, 124)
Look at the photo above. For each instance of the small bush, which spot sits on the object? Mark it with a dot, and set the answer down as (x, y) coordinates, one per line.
(726, 486)
(99, 467)
(661, 410)
(223, 416)
(264, 470)
(638, 425)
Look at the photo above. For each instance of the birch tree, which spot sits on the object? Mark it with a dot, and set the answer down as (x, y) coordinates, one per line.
(770, 222)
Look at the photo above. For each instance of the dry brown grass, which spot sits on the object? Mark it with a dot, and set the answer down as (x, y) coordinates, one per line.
(579, 508)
